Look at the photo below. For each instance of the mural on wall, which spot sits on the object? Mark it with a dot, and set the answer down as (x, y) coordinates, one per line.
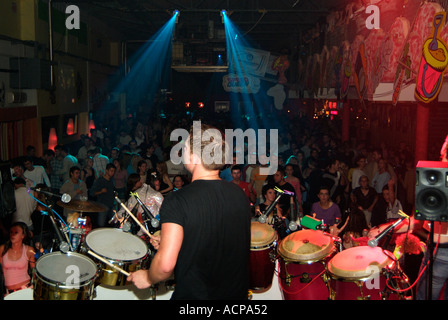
(433, 63)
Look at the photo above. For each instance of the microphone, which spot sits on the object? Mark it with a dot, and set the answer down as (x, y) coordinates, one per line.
(126, 226)
(263, 217)
(154, 222)
(64, 197)
(292, 224)
(374, 242)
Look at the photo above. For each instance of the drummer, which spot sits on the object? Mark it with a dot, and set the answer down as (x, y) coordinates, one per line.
(16, 258)
(151, 198)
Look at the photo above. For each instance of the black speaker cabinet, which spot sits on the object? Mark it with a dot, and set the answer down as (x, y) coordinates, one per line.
(431, 191)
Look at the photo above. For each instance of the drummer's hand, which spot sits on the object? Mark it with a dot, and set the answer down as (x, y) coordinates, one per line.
(140, 279)
(155, 241)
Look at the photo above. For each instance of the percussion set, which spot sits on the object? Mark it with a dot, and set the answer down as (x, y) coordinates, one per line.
(90, 258)
(313, 265)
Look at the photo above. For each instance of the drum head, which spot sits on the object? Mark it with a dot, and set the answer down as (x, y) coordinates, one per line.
(116, 245)
(358, 262)
(306, 245)
(58, 267)
(262, 234)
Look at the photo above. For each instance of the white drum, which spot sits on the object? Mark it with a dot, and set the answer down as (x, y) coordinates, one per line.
(64, 276)
(24, 294)
(122, 249)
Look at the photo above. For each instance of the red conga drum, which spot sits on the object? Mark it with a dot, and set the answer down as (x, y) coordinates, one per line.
(262, 259)
(302, 258)
(365, 273)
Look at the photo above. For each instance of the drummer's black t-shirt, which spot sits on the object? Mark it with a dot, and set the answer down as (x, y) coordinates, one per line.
(213, 262)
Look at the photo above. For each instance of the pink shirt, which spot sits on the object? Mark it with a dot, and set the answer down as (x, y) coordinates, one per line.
(16, 271)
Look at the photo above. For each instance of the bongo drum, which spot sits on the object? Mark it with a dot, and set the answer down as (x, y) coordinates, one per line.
(302, 258)
(262, 259)
(122, 249)
(361, 273)
(60, 276)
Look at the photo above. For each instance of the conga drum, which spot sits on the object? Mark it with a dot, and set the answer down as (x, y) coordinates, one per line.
(302, 258)
(262, 258)
(365, 273)
(64, 276)
(119, 248)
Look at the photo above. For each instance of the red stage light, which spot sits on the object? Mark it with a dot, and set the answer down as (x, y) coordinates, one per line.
(70, 127)
(52, 139)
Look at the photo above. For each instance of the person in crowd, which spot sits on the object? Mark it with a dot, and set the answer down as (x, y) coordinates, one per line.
(74, 187)
(327, 210)
(18, 171)
(178, 182)
(269, 196)
(258, 177)
(17, 258)
(166, 185)
(47, 157)
(142, 171)
(245, 186)
(291, 176)
(88, 172)
(103, 192)
(280, 182)
(120, 179)
(149, 156)
(208, 251)
(365, 198)
(67, 162)
(151, 198)
(35, 173)
(57, 165)
(100, 161)
(114, 154)
(25, 203)
(83, 151)
(332, 178)
(381, 177)
(358, 171)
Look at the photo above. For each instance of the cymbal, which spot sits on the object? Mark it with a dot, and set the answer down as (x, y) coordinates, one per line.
(83, 206)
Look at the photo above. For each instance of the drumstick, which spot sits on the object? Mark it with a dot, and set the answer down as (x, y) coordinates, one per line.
(108, 263)
(135, 219)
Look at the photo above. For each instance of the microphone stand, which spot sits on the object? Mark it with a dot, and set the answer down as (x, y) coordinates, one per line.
(269, 209)
(64, 246)
(154, 221)
(431, 261)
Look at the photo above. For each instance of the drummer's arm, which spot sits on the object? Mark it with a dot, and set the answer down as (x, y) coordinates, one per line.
(164, 261)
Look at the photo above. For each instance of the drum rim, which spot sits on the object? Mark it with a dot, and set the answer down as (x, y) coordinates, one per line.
(124, 261)
(266, 242)
(325, 252)
(62, 285)
(309, 261)
(330, 268)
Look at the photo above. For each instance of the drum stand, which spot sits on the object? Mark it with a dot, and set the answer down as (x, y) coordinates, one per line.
(431, 263)
(64, 244)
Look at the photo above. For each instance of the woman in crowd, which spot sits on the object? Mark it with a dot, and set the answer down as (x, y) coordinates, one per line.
(269, 195)
(88, 173)
(166, 185)
(120, 178)
(17, 258)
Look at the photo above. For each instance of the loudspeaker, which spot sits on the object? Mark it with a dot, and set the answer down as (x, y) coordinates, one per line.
(431, 191)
